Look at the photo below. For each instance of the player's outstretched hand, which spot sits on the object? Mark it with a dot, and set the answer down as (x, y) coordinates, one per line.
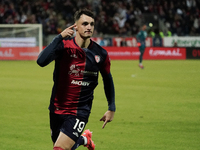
(107, 117)
(68, 32)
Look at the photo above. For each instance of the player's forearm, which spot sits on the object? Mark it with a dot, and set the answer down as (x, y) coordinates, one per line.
(109, 91)
(48, 54)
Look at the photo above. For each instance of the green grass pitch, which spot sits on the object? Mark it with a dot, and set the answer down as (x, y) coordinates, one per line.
(158, 108)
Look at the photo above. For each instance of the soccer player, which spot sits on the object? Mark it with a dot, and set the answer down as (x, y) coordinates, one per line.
(141, 37)
(78, 61)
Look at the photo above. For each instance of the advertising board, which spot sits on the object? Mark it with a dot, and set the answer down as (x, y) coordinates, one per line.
(18, 42)
(193, 53)
(19, 53)
(157, 53)
(181, 41)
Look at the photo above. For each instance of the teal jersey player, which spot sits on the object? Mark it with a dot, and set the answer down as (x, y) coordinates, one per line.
(141, 37)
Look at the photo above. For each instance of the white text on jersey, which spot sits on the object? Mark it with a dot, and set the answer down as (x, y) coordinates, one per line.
(80, 83)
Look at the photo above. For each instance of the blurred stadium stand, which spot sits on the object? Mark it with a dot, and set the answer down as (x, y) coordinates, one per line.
(113, 17)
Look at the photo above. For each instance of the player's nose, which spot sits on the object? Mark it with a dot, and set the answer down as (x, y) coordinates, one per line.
(89, 27)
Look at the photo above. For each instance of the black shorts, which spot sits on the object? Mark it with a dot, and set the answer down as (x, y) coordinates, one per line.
(72, 126)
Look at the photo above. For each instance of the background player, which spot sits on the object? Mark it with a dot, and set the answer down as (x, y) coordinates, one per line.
(141, 37)
(78, 61)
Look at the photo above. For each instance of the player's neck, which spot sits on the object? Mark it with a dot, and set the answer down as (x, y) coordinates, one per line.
(83, 43)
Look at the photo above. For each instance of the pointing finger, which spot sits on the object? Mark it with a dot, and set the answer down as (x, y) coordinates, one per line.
(102, 119)
(72, 26)
(104, 124)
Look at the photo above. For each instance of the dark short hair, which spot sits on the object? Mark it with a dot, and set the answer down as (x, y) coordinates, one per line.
(80, 12)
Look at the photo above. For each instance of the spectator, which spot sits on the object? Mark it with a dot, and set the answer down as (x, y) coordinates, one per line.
(181, 17)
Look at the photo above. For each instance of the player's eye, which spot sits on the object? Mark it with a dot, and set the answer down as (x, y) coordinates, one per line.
(85, 23)
(92, 23)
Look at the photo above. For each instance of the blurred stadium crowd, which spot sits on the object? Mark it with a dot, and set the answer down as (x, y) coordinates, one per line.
(113, 17)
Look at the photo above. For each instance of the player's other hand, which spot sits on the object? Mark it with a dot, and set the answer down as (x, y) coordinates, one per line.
(68, 32)
(138, 44)
(107, 117)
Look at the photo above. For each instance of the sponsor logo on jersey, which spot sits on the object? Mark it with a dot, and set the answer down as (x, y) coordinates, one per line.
(97, 58)
(74, 70)
(91, 73)
(73, 55)
(83, 83)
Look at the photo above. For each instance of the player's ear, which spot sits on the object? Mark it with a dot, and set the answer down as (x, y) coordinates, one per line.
(75, 27)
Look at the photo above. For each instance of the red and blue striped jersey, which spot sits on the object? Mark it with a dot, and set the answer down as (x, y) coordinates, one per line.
(76, 75)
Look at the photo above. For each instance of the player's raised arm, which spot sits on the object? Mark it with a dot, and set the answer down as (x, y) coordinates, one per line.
(48, 54)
